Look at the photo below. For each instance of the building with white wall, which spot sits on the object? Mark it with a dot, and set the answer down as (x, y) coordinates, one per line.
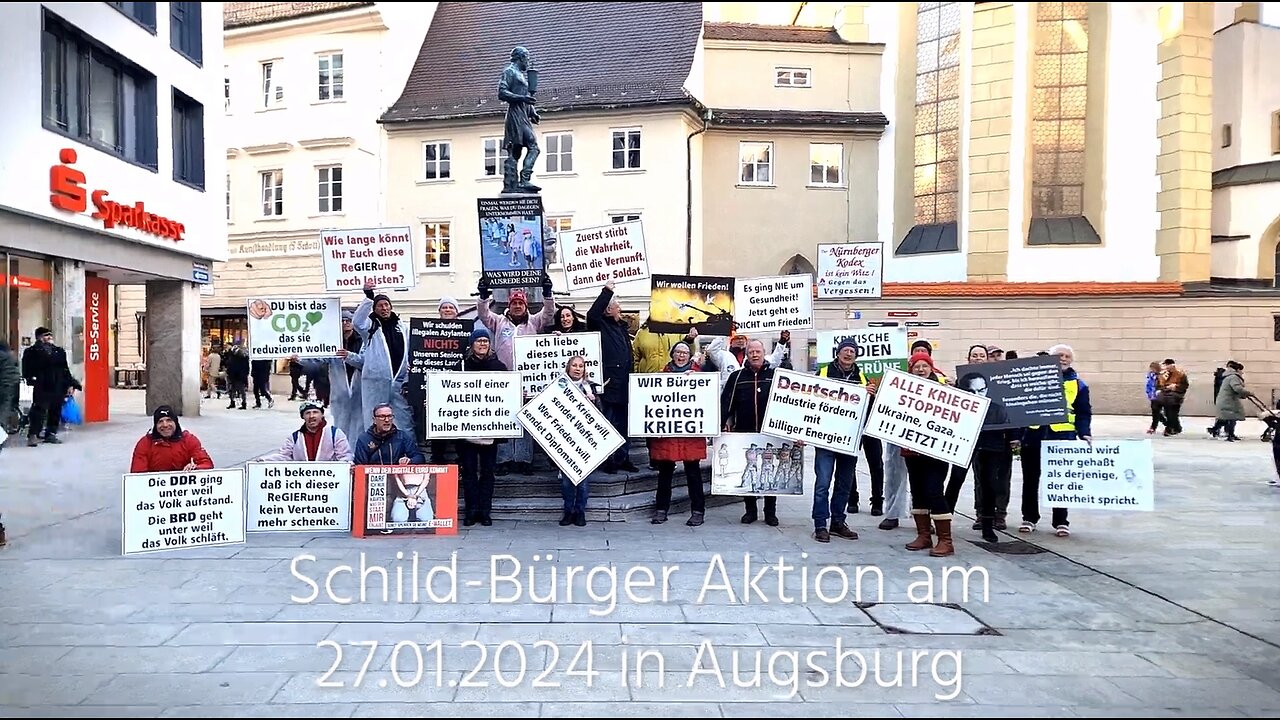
(303, 85)
(110, 174)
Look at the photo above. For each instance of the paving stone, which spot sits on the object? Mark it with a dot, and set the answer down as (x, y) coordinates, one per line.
(258, 711)
(846, 708)
(154, 660)
(1183, 692)
(447, 709)
(86, 711)
(22, 690)
(1069, 662)
(68, 635)
(373, 687)
(263, 633)
(214, 688)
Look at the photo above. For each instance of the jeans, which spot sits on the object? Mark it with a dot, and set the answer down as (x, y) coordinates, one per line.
(476, 463)
(616, 414)
(1031, 488)
(692, 476)
(575, 496)
(828, 503)
(927, 477)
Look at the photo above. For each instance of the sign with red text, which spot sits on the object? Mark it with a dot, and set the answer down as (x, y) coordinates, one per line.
(599, 255)
(849, 270)
(97, 358)
(928, 417)
(381, 255)
(404, 500)
(772, 304)
(819, 411)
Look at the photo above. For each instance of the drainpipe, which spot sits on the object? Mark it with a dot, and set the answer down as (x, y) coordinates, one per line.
(688, 227)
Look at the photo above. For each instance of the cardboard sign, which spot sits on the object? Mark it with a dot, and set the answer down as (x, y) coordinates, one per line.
(383, 256)
(298, 496)
(473, 405)
(435, 345)
(680, 302)
(1023, 392)
(928, 417)
(773, 304)
(1116, 475)
(280, 327)
(850, 270)
(181, 510)
(512, 230)
(595, 256)
(819, 411)
(571, 429)
(404, 500)
(541, 358)
(756, 464)
(673, 405)
(879, 349)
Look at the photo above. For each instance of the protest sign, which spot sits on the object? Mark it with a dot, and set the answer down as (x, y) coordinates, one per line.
(541, 358)
(184, 509)
(298, 496)
(771, 304)
(473, 405)
(511, 241)
(1023, 392)
(595, 256)
(571, 429)
(850, 270)
(280, 327)
(1115, 475)
(928, 417)
(879, 349)
(383, 256)
(404, 500)
(756, 464)
(673, 405)
(820, 411)
(680, 302)
(435, 345)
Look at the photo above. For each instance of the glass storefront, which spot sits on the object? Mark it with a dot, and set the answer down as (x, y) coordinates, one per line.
(222, 331)
(27, 300)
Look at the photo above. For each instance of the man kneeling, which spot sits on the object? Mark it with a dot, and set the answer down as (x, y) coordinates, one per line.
(315, 441)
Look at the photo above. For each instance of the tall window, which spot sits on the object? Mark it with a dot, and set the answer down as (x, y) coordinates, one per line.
(188, 140)
(143, 13)
(226, 90)
(184, 30)
(551, 246)
(272, 89)
(937, 132)
(626, 149)
(330, 190)
(95, 96)
(435, 161)
(330, 67)
(436, 244)
(559, 152)
(755, 163)
(826, 164)
(1058, 112)
(272, 193)
(494, 156)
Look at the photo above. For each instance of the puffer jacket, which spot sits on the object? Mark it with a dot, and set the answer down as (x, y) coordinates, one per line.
(157, 454)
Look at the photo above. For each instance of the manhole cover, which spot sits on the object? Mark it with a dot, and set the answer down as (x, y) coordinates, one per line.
(926, 619)
(1013, 547)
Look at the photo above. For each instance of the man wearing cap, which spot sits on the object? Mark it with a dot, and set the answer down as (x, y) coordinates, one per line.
(44, 367)
(516, 321)
(448, 310)
(315, 441)
(168, 448)
(384, 358)
(829, 503)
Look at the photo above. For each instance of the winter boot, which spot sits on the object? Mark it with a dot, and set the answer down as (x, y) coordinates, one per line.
(924, 531)
(944, 548)
(989, 530)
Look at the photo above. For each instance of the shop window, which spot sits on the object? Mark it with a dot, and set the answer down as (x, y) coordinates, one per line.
(27, 300)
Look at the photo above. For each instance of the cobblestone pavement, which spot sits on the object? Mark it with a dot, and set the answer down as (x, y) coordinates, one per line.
(1172, 613)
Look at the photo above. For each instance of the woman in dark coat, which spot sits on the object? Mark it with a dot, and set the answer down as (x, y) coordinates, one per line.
(666, 452)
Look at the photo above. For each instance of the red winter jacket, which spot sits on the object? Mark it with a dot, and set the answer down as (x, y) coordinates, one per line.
(152, 455)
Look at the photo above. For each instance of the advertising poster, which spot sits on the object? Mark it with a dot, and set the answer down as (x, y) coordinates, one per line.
(774, 304)
(383, 256)
(180, 510)
(298, 496)
(598, 255)
(279, 327)
(511, 242)
(819, 411)
(1023, 392)
(673, 405)
(404, 500)
(473, 405)
(879, 349)
(1116, 475)
(850, 270)
(541, 358)
(928, 417)
(756, 464)
(572, 430)
(680, 302)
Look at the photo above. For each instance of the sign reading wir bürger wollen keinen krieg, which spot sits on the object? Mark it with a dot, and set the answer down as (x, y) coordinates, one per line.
(280, 327)
(928, 417)
(596, 256)
(819, 411)
(383, 256)
(848, 270)
(772, 304)
(573, 432)
(298, 496)
(673, 405)
(463, 405)
(186, 509)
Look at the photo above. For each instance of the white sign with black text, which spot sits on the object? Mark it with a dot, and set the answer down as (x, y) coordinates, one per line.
(928, 417)
(541, 358)
(850, 270)
(594, 257)
(772, 304)
(673, 405)
(1113, 475)
(818, 411)
(464, 405)
(298, 496)
(181, 510)
(571, 429)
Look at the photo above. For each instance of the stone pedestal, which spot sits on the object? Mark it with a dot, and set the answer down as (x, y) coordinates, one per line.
(67, 322)
(173, 346)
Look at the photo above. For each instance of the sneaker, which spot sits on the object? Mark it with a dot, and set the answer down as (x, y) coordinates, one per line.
(822, 535)
(53, 439)
(888, 524)
(1027, 527)
(844, 531)
(1062, 531)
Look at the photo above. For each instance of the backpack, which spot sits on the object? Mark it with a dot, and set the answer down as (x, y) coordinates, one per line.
(333, 436)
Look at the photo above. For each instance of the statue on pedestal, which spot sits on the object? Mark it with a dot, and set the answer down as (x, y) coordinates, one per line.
(517, 88)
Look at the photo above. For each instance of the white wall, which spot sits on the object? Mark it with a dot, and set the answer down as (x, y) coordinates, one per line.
(1242, 210)
(29, 150)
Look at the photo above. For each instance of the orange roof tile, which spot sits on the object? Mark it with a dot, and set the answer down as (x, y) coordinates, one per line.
(1018, 289)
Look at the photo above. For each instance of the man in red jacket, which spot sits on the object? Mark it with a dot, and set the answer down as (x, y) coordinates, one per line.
(168, 448)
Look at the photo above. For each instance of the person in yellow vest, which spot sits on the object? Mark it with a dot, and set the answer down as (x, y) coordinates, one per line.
(652, 350)
(831, 503)
(1077, 427)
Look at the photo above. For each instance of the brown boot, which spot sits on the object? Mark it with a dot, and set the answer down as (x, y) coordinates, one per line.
(924, 532)
(944, 548)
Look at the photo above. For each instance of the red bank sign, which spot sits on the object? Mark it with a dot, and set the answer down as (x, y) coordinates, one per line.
(67, 192)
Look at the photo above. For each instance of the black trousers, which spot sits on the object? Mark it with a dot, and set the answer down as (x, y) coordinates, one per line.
(440, 450)
(926, 477)
(770, 505)
(1172, 423)
(693, 478)
(991, 482)
(1031, 488)
(261, 389)
(1157, 414)
(874, 453)
(955, 482)
(475, 464)
(46, 412)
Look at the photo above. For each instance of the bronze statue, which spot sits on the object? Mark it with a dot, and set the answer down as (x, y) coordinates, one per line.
(516, 88)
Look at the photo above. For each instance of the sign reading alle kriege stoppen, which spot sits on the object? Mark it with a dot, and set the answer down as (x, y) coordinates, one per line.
(180, 510)
(928, 417)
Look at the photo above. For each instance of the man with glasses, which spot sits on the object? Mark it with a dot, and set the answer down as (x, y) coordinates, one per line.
(385, 444)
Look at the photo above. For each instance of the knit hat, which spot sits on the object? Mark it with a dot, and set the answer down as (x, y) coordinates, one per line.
(847, 343)
(348, 315)
(446, 300)
(919, 355)
(310, 405)
(380, 297)
(518, 295)
(165, 411)
(481, 332)
(928, 346)
(684, 345)
(42, 331)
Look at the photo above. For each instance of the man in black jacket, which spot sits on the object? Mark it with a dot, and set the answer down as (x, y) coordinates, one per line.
(44, 366)
(742, 405)
(605, 317)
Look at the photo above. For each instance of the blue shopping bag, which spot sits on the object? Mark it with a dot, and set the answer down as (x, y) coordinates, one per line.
(71, 412)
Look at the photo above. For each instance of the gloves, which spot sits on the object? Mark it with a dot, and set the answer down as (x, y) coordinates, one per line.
(482, 288)
(546, 285)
